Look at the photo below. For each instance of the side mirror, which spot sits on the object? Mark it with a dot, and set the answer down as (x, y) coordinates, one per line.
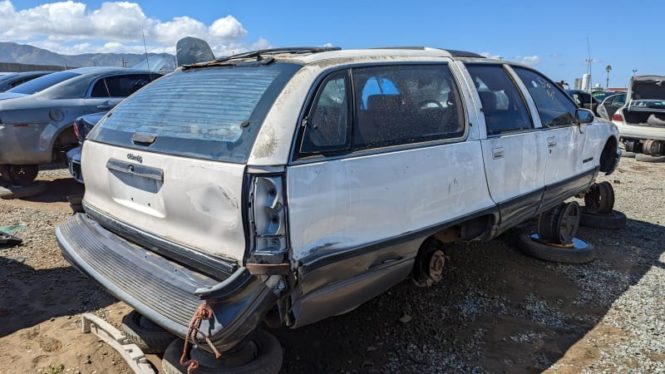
(584, 116)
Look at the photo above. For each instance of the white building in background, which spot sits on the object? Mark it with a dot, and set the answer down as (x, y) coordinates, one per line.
(586, 82)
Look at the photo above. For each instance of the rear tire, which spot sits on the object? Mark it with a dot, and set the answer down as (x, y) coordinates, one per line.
(145, 333)
(626, 154)
(612, 221)
(579, 252)
(268, 359)
(647, 158)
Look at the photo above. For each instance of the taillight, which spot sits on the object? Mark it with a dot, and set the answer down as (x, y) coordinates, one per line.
(268, 218)
(617, 117)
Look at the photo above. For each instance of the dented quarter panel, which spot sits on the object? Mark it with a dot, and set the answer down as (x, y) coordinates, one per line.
(196, 205)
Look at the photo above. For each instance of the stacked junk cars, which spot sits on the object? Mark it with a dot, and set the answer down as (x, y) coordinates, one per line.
(261, 190)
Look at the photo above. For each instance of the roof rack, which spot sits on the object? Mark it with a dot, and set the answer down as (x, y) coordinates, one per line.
(453, 52)
(275, 51)
(456, 53)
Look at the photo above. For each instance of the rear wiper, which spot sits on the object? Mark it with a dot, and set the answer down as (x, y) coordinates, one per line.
(259, 55)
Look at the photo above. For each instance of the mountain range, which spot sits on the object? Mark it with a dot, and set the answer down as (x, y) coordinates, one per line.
(27, 54)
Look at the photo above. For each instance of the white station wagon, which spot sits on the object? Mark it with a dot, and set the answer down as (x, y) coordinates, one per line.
(292, 185)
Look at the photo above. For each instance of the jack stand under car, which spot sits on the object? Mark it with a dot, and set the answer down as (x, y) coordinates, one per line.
(598, 211)
(555, 240)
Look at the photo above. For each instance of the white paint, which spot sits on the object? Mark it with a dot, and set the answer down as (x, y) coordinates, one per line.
(197, 205)
(341, 204)
(640, 131)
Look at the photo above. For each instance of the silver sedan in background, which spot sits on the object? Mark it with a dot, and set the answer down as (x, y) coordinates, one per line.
(36, 122)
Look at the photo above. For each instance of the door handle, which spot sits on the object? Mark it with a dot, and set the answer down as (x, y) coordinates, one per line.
(551, 141)
(497, 152)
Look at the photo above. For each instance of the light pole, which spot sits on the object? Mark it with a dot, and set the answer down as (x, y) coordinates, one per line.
(608, 68)
(634, 71)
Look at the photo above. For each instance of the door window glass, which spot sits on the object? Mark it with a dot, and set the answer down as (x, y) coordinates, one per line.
(328, 120)
(503, 106)
(405, 104)
(120, 86)
(554, 107)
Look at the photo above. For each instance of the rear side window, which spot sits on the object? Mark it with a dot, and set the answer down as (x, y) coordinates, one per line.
(43, 82)
(328, 120)
(120, 85)
(503, 106)
(209, 113)
(405, 104)
(554, 107)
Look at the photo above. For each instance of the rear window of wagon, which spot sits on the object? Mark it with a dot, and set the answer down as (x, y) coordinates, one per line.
(209, 113)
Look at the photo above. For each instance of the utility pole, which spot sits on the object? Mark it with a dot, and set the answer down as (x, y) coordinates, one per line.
(608, 68)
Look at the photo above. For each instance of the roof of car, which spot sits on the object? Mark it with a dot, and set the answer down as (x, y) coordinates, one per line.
(106, 69)
(368, 53)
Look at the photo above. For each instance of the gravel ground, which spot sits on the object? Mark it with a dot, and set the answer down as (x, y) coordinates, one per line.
(495, 311)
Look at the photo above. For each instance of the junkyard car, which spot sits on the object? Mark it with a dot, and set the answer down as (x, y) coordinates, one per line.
(610, 105)
(36, 85)
(641, 121)
(82, 127)
(295, 185)
(11, 80)
(37, 128)
(584, 99)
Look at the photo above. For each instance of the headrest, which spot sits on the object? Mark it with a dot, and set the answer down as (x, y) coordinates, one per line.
(383, 102)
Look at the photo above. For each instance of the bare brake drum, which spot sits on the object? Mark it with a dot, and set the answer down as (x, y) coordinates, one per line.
(599, 199)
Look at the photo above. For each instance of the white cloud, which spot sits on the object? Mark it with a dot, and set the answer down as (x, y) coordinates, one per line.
(227, 28)
(72, 27)
(528, 60)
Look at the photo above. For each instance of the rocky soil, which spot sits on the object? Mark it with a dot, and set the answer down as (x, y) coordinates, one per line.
(495, 311)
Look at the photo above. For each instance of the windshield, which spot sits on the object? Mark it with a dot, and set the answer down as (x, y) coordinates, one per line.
(210, 113)
(43, 82)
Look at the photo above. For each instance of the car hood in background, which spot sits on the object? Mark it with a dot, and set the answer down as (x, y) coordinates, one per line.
(647, 87)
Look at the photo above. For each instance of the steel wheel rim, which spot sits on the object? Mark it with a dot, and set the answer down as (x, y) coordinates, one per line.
(569, 223)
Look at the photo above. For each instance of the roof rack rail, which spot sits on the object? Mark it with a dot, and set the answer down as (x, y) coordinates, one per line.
(273, 51)
(413, 47)
(456, 53)
(453, 52)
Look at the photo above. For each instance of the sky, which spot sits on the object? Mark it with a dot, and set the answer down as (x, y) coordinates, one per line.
(551, 36)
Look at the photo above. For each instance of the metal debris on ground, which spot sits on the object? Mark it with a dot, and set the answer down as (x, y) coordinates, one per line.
(9, 239)
(130, 352)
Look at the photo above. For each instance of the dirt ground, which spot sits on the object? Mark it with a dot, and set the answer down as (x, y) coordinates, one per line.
(495, 311)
